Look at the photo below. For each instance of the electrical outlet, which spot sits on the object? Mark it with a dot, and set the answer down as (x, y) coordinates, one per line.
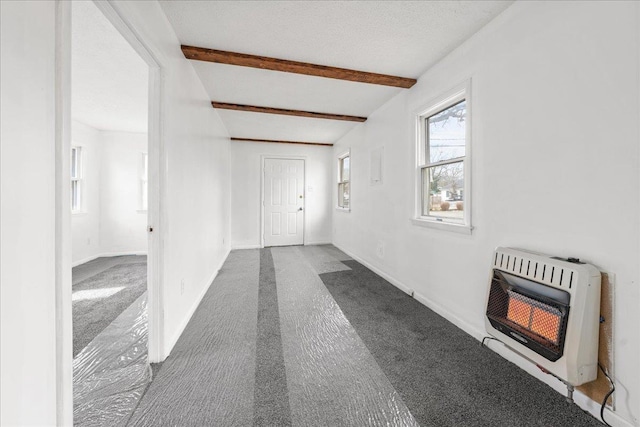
(182, 287)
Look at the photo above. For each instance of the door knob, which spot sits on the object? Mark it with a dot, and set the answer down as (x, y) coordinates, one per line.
(299, 209)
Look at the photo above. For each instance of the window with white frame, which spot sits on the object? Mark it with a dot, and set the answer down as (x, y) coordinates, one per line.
(443, 163)
(76, 179)
(144, 182)
(344, 173)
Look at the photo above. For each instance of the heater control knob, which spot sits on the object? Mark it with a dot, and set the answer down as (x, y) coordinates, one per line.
(574, 260)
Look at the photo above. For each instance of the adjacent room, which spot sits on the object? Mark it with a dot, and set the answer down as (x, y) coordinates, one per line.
(109, 204)
(337, 213)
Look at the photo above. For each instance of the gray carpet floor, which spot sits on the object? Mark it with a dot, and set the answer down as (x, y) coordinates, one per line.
(102, 290)
(305, 336)
(332, 378)
(271, 397)
(442, 373)
(208, 379)
(98, 265)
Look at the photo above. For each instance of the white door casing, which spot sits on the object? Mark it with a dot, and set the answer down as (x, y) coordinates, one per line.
(157, 195)
(283, 200)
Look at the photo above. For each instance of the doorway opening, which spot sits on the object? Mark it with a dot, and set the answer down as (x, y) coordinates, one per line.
(283, 185)
(111, 202)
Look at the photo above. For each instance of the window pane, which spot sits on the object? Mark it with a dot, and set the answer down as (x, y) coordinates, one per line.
(343, 195)
(446, 134)
(74, 163)
(75, 196)
(443, 191)
(345, 169)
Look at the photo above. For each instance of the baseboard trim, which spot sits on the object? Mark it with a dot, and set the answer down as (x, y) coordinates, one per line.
(451, 317)
(106, 254)
(581, 400)
(194, 307)
(314, 243)
(319, 242)
(398, 284)
(238, 247)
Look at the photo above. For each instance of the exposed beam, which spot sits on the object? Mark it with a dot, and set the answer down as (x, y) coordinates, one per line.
(275, 141)
(266, 63)
(285, 112)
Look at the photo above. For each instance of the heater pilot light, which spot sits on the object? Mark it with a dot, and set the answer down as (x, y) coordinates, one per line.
(546, 309)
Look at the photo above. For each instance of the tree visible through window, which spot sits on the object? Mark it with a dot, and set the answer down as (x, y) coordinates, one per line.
(76, 179)
(442, 163)
(343, 181)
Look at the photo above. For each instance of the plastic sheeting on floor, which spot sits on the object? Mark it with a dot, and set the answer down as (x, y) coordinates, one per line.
(111, 374)
(209, 378)
(332, 377)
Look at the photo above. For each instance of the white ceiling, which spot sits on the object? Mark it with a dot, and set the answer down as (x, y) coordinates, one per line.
(108, 78)
(272, 126)
(402, 38)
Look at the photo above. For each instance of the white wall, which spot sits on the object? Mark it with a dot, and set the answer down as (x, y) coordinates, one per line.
(85, 243)
(196, 234)
(27, 220)
(122, 222)
(555, 131)
(196, 157)
(246, 175)
(111, 221)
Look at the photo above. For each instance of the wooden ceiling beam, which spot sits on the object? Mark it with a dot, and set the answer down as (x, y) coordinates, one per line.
(274, 64)
(286, 112)
(275, 141)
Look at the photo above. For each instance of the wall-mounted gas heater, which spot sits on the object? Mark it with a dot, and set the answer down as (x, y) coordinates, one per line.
(547, 309)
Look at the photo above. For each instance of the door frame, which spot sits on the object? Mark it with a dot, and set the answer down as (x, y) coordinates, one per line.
(157, 178)
(304, 192)
(156, 213)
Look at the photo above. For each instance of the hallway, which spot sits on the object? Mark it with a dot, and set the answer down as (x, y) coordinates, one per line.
(307, 336)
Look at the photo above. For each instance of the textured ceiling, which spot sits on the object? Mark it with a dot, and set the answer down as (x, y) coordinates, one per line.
(390, 37)
(108, 78)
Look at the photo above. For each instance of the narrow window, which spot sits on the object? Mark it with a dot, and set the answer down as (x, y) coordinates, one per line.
(76, 179)
(144, 182)
(442, 167)
(344, 172)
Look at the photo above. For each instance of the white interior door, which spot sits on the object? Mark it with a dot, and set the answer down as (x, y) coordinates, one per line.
(283, 189)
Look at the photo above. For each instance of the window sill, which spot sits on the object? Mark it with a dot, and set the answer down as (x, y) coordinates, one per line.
(343, 209)
(441, 225)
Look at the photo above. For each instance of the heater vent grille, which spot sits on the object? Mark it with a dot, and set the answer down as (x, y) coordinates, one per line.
(538, 271)
(535, 320)
(545, 308)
